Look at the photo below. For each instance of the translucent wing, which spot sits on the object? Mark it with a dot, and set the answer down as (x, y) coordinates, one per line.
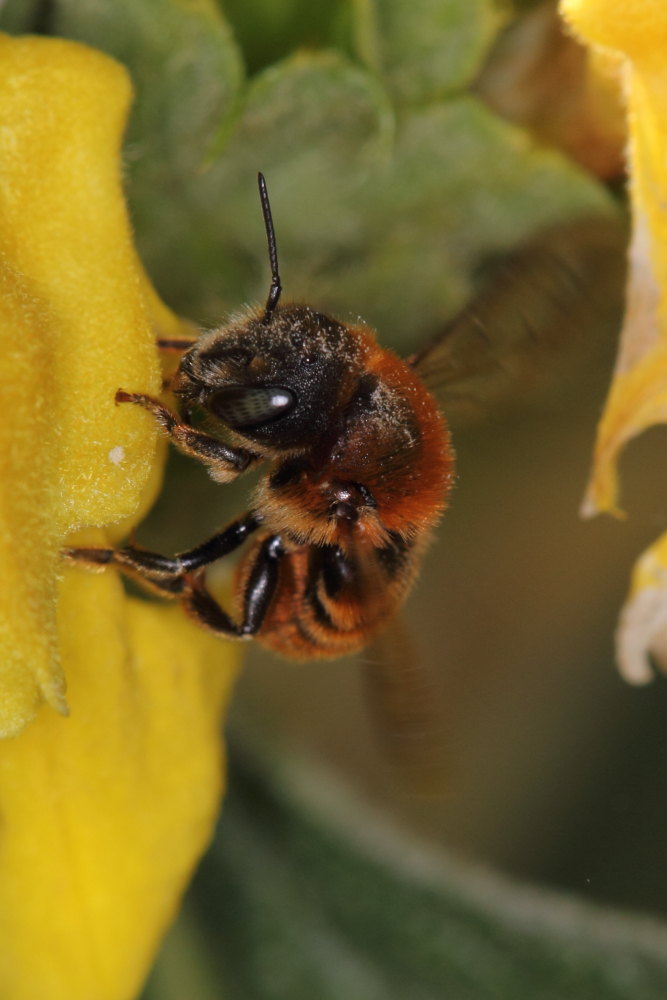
(399, 690)
(549, 303)
(536, 310)
(403, 705)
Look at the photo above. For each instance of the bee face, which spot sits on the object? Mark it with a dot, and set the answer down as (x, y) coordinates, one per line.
(275, 382)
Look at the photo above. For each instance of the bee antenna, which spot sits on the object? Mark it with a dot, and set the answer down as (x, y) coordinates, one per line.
(276, 287)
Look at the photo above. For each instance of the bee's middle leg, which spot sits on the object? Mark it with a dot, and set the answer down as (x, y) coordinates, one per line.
(168, 575)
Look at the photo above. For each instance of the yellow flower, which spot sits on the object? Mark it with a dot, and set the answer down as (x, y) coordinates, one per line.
(110, 770)
(637, 30)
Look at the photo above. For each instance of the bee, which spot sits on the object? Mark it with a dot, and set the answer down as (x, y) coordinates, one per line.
(358, 469)
(358, 458)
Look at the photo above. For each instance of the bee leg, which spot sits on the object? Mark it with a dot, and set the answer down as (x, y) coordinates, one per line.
(257, 597)
(151, 572)
(225, 462)
(203, 607)
(261, 585)
(337, 570)
(166, 574)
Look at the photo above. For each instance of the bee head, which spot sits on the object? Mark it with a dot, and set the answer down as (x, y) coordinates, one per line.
(276, 376)
(276, 381)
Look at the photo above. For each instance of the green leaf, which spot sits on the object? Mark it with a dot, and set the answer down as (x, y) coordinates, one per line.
(461, 185)
(315, 125)
(318, 127)
(383, 206)
(187, 72)
(425, 49)
(17, 16)
(306, 893)
(184, 62)
(270, 30)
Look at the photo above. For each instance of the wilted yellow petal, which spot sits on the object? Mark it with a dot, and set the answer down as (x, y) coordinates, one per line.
(642, 628)
(638, 396)
(104, 813)
(75, 324)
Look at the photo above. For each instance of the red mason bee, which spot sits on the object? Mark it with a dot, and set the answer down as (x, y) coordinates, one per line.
(358, 461)
(358, 468)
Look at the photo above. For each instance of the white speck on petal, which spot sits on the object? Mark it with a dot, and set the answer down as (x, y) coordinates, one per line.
(117, 454)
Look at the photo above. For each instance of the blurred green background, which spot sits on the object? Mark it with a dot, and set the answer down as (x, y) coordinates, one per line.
(405, 145)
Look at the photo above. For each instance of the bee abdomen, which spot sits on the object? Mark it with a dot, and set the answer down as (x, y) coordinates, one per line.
(329, 605)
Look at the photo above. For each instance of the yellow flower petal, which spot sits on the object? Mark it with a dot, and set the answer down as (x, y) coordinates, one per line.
(638, 396)
(642, 628)
(636, 27)
(105, 812)
(75, 325)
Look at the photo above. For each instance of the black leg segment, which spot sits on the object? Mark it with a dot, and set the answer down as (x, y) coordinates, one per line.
(336, 569)
(261, 585)
(259, 593)
(165, 572)
(203, 607)
(219, 545)
(224, 461)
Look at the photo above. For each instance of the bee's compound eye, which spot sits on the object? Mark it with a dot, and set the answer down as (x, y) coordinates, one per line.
(242, 406)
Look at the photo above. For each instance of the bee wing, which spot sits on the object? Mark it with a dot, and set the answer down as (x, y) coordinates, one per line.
(399, 691)
(405, 712)
(543, 302)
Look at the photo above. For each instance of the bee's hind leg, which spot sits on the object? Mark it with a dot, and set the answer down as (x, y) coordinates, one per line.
(258, 594)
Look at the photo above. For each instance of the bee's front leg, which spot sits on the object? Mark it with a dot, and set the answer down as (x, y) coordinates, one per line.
(225, 462)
